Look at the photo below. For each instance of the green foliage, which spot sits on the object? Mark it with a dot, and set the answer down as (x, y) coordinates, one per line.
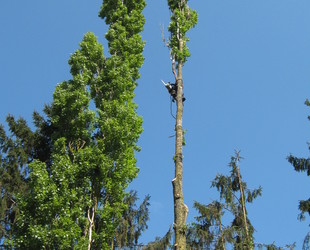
(161, 243)
(205, 230)
(86, 158)
(184, 132)
(125, 43)
(182, 20)
(301, 164)
(18, 149)
(208, 230)
(306, 244)
(52, 213)
(274, 247)
(12, 158)
(133, 222)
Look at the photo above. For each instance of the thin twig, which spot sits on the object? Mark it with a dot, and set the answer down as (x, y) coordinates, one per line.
(173, 67)
(172, 56)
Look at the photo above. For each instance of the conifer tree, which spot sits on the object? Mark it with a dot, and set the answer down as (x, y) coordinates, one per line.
(182, 20)
(209, 230)
(13, 158)
(229, 187)
(301, 164)
(133, 222)
(17, 150)
(161, 243)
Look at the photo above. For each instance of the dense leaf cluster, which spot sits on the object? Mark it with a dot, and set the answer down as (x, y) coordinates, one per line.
(182, 20)
(17, 150)
(70, 175)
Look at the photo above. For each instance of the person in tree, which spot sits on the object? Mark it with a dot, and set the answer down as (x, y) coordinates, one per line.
(173, 90)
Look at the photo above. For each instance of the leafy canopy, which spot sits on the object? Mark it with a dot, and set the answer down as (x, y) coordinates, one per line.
(182, 20)
(75, 195)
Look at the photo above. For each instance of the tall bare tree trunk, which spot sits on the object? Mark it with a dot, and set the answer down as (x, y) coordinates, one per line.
(180, 209)
(182, 20)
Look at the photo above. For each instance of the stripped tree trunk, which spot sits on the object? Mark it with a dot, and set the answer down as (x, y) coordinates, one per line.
(182, 20)
(180, 209)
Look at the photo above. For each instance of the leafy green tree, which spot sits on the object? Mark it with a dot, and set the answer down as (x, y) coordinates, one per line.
(57, 191)
(182, 20)
(75, 197)
(301, 164)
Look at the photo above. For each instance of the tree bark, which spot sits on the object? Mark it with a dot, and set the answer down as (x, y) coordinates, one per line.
(91, 223)
(180, 209)
(248, 241)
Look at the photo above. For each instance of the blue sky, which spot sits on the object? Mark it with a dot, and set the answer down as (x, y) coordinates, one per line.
(245, 84)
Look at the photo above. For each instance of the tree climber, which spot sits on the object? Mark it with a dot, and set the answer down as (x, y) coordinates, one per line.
(173, 90)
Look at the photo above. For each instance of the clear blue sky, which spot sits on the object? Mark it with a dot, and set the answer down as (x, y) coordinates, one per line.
(245, 84)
